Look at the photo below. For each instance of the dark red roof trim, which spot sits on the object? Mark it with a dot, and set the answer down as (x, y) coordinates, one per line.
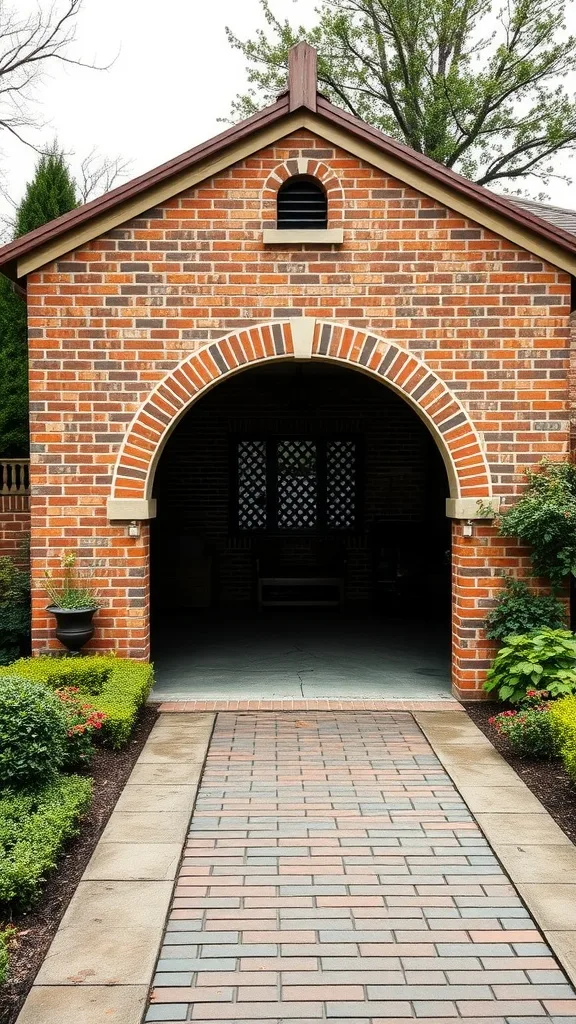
(11, 253)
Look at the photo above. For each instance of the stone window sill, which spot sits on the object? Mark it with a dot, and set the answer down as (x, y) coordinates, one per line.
(324, 236)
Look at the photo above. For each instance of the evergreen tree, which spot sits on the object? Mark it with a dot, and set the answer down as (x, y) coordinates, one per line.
(14, 440)
(50, 194)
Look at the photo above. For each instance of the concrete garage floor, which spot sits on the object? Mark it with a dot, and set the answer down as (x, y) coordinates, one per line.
(308, 653)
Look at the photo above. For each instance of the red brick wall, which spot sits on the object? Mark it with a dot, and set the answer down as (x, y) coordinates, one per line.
(110, 320)
(14, 525)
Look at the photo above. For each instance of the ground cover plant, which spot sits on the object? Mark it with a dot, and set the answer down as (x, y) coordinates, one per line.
(6, 935)
(117, 687)
(543, 659)
(34, 826)
(83, 723)
(529, 728)
(518, 609)
(563, 724)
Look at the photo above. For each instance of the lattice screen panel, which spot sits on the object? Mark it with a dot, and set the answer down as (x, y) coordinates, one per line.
(252, 485)
(297, 485)
(341, 496)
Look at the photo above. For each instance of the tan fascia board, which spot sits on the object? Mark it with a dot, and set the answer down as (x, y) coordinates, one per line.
(422, 182)
(126, 211)
(394, 166)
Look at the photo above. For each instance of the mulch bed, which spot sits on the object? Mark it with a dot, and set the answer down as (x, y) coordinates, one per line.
(110, 770)
(546, 779)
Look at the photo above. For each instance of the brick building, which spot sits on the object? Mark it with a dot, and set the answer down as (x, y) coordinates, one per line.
(391, 349)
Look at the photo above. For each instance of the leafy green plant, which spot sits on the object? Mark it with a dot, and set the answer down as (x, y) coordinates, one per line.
(545, 518)
(33, 733)
(543, 659)
(14, 610)
(528, 730)
(563, 724)
(125, 687)
(83, 722)
(6, 937)
(520, 610)
(74, 591)
(33, 830)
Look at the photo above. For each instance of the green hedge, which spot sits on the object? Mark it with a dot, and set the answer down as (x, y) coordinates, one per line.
(563, 719)
(33, 830)
(114, 685)
(6, 934)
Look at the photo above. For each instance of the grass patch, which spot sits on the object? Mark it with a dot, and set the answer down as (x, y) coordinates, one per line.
(563, 721)
(33, 829)
(116, 686)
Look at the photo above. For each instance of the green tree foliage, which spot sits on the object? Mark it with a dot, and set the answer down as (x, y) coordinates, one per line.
(14, 610)
(476, 88)
(50, 193)
(14, 442)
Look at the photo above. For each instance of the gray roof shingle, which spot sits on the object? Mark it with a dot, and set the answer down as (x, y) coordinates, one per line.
(557, 215)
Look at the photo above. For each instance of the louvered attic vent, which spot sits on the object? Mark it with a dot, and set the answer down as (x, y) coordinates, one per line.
(302, 205)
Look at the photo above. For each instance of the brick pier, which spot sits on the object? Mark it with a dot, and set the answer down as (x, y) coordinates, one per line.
(333, 872)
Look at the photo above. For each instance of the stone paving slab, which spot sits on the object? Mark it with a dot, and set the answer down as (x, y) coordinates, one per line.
(333, 872)
(529, 844)
(86, 1005)
(90, 947)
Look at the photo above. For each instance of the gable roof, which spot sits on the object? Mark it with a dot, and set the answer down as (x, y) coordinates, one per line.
(301, 106)
(558, 215)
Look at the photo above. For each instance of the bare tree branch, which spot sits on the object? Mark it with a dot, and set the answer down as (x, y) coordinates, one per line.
(98, 174)
(484, 90)
(29, 45)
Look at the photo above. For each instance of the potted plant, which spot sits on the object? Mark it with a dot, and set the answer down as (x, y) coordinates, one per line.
(73, 604)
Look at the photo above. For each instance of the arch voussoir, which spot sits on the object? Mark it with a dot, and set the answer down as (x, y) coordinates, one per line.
(401, 370)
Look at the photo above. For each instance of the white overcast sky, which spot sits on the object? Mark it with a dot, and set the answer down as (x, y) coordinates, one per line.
(173, 77)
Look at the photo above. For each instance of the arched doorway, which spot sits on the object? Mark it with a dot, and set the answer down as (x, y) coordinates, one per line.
(307, 339)
(301, 546)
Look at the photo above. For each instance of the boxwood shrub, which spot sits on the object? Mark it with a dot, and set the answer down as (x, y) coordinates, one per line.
(116, 686)
(33, 733)
(33, 830)
(563, 720)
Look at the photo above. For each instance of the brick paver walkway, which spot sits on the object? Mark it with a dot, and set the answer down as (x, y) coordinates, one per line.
(332, 872)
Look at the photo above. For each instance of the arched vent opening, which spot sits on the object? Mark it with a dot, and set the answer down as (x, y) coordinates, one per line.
(302, 204)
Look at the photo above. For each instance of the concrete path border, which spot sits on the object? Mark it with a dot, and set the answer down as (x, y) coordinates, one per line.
(537, 855)
(103, 955)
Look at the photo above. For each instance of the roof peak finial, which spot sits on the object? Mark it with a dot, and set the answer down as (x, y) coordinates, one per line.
(303, 76)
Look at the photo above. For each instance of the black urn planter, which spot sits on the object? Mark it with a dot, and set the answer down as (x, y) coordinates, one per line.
(74, 626)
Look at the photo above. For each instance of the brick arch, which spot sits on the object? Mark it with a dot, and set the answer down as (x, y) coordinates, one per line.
(316, 169)
(302, 338)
